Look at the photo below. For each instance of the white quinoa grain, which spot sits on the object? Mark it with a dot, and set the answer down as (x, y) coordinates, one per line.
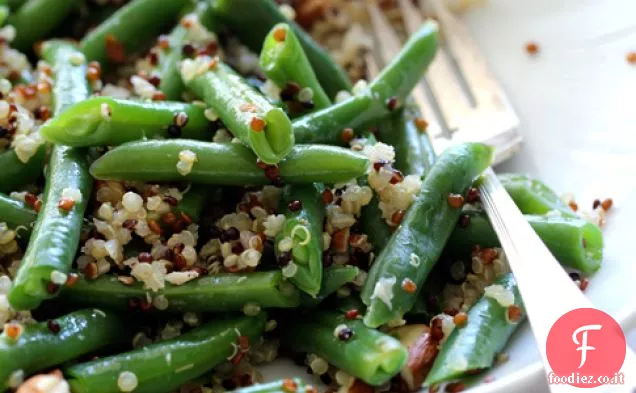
(127, 381)
(58, 277)
(106, 111)
(287, 11)
(160, 302)
(285, 244)
(211, 114)
(290, 270)
(251, 309)
(191, 319)
(132, 202)
(503, 296)
(306, 94)
(383, 290)
(319, 366)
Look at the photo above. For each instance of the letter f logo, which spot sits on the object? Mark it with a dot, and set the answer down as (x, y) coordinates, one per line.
(583, 344)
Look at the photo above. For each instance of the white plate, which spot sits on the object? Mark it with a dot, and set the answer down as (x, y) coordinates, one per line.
(576, 104)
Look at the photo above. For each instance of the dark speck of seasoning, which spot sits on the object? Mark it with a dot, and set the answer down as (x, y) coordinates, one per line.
(464, 221)
(214, 232)
(230, 234)
(52, 287)
(308, 105)
(228, 384)
(174, 130)
(295, 205)
(53, 326)
(379, 164)
(188, 50)
(597, 203)
(392, 103)
(284, 258)
(584, 243)
(327, 259)
(345, 334)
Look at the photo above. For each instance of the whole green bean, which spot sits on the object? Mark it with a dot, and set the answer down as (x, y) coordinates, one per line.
(168, 60)
(129, 29)
(80, 332)
(164, 366)
(56, 234)
(574, 242)
(367, 353)
(280, 386)
(247, 114)
(284, 61)
(35, 19)
(473, 347)
(387, 92)
(109, 121)
(532, 196)
(221, 292)
(16, 173)
(417, 243)
(262, 16)
(226, 163)
(16, 213)
(304, 213)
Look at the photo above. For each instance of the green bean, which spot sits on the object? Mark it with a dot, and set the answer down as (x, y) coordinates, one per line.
(284, 61)
(385, 93)
(221, 292)
(129, 29)
(365, 353)
(473, 347)
(16, 173)
(4, 11)
(304, 213)
(247, 114)
(15, 4)
(532, 196)
(109, 121)
(167, 68)
(39, 347)
(164, 366)
(333, 278)
(35, 19)
(16, 213)
(226, 163)
(280, 386)
(193, 202)
(417, 243)
(414, 156)
(574, 242)
(252, 28)
(55, 237)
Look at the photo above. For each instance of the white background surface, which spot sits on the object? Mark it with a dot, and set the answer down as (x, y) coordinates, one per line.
(577, 105)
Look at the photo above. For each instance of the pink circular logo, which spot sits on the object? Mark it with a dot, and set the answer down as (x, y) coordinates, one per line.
(586, 348)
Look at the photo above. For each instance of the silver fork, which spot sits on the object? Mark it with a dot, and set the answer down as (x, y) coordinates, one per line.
(533, 265)
(459, 98)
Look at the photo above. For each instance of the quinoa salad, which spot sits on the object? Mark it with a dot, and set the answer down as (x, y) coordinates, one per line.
(190, 190)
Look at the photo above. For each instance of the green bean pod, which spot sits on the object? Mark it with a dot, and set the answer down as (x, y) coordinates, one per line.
(16, 213)
(100, 121)
(56, 234)
(532, 196)
(240, 106)
(417, 243)
(367, 354)
(164, 366)
(389, 90)
(129, 29)
(221, 292)
(193, 201)
(284, 61)
(168, 60)
(304, 213)
(16, 173)
(38, 348)
(4, 11)
(280, 386)
(226, 163)
(574, 242)
(333, 278)
(473, 347)
(35, 19)
(262, 16)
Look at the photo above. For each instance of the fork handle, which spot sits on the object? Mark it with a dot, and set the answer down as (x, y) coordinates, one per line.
(536, 271)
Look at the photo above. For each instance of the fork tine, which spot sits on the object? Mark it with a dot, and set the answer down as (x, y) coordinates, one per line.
(484, 88)
(389, 45)
(441, 78)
